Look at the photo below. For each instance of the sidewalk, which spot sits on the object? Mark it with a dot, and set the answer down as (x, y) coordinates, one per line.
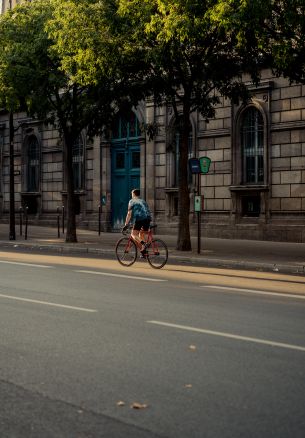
(225, 253)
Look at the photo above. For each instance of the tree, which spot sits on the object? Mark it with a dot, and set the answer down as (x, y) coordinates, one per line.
(33, 69)
(192, 57)
(179, 52)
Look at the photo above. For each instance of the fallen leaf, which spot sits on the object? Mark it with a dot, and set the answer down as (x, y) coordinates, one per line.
(188, 385)
(120, 403)
(138, 406)
(193, 347)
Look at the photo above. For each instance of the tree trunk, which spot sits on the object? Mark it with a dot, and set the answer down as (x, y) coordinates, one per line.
(71, 222)
(184, 240)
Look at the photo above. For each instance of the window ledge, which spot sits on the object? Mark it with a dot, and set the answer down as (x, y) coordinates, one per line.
(30, 193)
(249, 188)
(171, 189)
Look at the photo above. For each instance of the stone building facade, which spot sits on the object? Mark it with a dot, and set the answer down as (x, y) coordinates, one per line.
(255, 187)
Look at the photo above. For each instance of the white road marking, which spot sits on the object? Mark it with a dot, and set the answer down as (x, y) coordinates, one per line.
(46, 303)
(256, 292)
(26, 264)
(228, 335)
(107, 274)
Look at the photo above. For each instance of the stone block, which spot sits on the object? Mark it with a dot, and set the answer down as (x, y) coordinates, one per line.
(276, 177)
(291, 204)
(280, 105)
(227, 179)
(223, 166)
(275, 117)
(275, 151)
(297, 190)
(208, 192)
(291, 177)
(291, 91)
(298, 136)
(298, 103)
(215, 124)
(291, 116)
(298, 162)
(219, 205)
(209, 204)
(216, 155)
(222, 113)
(291, 150)
(222, 192)
(160, 171)
(227, 123)
(280, 163)
(227, 154)
(275, 204)
(280, 191)
(275, 94)
(280, 137)
(218, 180)
(223, 142)
(206, 144)
(227, 204)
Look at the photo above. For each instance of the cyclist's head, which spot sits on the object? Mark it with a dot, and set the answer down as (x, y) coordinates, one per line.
(135, 192)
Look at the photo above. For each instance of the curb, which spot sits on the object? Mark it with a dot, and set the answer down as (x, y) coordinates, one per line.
(204, 261)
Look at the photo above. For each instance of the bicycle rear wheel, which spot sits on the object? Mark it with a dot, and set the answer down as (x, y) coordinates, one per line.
(126, 251)
(157, 253)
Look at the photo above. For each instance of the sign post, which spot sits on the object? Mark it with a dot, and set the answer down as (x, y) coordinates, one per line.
(199, 166)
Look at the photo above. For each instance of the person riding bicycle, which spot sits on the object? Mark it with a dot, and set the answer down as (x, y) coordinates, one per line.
(140, 215)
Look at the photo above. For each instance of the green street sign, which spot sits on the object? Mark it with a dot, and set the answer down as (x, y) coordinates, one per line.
(205, 163)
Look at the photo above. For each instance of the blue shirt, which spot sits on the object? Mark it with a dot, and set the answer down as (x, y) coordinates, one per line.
(139, 209)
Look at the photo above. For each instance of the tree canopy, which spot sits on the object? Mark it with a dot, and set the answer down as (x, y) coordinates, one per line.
(33, 73)
(76, 61)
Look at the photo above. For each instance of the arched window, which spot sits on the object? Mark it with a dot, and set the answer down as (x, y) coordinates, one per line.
(126, 126)
(78, 163)
(252, 146)
(33, 164)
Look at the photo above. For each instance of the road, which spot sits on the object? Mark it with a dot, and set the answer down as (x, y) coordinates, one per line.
(91, 349)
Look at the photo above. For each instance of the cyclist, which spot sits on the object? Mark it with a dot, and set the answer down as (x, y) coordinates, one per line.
(140, 215)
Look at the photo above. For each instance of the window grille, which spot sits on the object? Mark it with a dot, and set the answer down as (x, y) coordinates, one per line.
(252, 145)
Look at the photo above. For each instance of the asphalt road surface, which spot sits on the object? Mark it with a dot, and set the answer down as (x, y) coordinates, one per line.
(91, 349)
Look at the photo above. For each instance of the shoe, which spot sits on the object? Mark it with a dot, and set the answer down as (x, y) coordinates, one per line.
(143, 253)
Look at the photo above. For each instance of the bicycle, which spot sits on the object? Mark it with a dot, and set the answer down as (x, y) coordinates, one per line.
(126, 250)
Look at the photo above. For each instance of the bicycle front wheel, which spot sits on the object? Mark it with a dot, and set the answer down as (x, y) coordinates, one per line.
(126, 251)
(157, 253)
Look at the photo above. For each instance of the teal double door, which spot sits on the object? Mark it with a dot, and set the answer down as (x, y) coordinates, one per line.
(125, 176)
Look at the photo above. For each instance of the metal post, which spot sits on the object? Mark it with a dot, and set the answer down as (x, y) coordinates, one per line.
(63, 219)
(99, 220)
(12, 234)
(199, 218)
(58, 222)
(20, 220)
(26, 223)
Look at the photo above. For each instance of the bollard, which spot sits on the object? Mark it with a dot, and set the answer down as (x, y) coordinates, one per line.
(26, 223)
(99, 220)
(20, 220)
(58, 222)
(63, 219)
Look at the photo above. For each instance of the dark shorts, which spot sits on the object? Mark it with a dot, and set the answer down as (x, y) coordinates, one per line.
(144, 223)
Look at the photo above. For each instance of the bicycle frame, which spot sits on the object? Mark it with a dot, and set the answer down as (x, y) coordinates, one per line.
(127, 248)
